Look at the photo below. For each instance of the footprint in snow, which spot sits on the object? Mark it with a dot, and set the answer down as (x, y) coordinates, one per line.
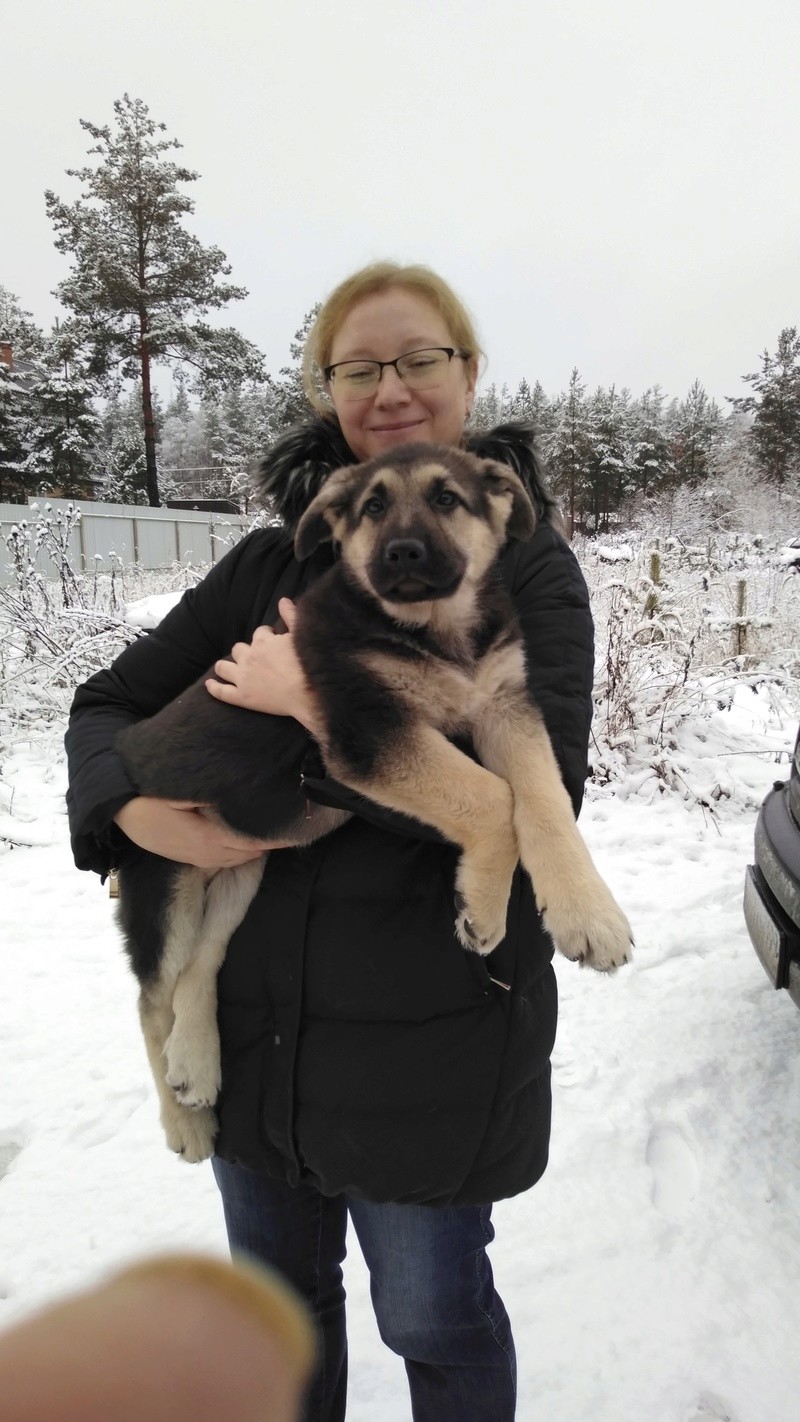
(711, 1409)
(118, 1108)
(9, 1150)
(674, 1168)
(570, 1066)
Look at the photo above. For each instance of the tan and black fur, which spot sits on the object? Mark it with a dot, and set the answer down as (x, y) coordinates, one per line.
(408, 641)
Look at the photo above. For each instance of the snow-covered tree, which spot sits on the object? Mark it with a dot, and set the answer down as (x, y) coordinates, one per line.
(141, 284)
(775, 433)
(121, 464)
(493, 407)
(567, 450)
(63, 428)
(610, 469)
(288, 400)
(13, 436)
(652, 461)
(695, 426)
(25, 344)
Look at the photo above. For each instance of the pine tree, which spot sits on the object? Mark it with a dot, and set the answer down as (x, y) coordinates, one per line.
(610, 463)
(141, 284)
(17, 410)
(181, 442)
(13, 436)
(521, 403)
(567, 450)
(652, 462)
(695, 429)
(64, 427)
(288, 399)
(775, 434)
(121, 461)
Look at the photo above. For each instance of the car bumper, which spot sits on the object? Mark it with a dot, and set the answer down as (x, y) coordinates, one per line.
(772, 893)
(773, 935)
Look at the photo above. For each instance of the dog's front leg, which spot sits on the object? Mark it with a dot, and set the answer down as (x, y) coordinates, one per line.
(423, 775)
(579, 911)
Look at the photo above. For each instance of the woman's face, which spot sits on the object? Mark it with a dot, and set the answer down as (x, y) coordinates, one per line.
(382, 327)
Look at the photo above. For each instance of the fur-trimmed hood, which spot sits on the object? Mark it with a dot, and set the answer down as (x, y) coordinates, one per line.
(291, 475)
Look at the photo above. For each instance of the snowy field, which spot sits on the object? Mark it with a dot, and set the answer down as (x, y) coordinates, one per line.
(652, 1275)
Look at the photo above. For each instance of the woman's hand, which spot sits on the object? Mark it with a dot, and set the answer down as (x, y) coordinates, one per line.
(266, 675)
(178, 829)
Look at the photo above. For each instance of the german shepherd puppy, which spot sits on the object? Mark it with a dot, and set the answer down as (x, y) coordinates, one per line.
(409, 639)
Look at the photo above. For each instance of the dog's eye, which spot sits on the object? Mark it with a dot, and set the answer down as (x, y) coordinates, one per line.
(374, 505)
(446, 499)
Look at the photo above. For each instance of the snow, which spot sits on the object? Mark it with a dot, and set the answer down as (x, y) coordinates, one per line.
(622, 553)
(651, 1276)
(147, 612)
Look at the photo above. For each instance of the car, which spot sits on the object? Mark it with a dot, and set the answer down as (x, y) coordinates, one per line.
(789, 554)
(772, 884)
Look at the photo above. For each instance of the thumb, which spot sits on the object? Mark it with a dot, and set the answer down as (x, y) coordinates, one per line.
(201, 1339)
(288, 612)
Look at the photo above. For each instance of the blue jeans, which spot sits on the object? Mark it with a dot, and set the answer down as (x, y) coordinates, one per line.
(430, 1280)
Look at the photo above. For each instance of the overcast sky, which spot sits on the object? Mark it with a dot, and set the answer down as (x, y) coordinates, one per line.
(607, 183)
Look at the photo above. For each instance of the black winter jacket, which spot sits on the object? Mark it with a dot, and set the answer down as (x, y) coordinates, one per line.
(364, 1051)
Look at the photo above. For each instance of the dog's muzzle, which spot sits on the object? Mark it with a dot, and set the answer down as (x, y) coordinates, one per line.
(407, 556)
(407, 572)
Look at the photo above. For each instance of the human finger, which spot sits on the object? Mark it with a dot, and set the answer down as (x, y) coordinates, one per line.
(288, 612)
(175, 1339)
(223, 690)
(226, 669)
(263, 634)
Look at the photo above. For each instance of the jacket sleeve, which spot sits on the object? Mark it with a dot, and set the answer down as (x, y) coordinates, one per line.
(148, 674)
(552, 603)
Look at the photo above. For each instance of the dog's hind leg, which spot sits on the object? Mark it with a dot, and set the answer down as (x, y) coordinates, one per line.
(578, 908)
(192, 1050)
(189, 1133)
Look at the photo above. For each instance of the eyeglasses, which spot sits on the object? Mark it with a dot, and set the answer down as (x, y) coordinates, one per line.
(419, 370)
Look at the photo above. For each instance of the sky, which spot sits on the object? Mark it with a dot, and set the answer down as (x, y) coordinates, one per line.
(608, 185)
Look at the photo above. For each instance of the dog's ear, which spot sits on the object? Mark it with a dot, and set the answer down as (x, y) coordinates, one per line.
(322, 515)
(501, 482)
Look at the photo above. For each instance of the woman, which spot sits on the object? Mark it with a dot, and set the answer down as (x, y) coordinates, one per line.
(371, 1067)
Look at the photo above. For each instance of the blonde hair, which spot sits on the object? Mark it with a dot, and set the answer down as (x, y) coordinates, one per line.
(379, 277)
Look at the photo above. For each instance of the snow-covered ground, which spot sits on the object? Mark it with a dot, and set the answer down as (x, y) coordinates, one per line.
(652, 1275)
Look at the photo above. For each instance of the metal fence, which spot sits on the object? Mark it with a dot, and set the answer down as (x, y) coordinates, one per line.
(151, 538)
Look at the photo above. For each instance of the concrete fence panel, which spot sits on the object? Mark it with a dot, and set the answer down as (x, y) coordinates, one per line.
(151, 538)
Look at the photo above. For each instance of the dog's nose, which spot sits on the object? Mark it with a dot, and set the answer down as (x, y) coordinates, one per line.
(406, 554)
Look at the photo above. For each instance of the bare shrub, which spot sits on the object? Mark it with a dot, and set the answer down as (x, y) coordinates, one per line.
(57, 631)
(680, 627)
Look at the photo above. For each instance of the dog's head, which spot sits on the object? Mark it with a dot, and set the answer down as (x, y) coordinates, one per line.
(416, 523)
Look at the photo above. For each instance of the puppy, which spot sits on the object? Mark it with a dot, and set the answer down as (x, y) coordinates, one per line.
(408, 640)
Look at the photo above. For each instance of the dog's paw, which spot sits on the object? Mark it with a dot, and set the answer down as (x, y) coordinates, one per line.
(191, 1133)
(193, 1071)
(591, 931)
(478, 932)
(194, 1094)
(483, 887)
(470, 936)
